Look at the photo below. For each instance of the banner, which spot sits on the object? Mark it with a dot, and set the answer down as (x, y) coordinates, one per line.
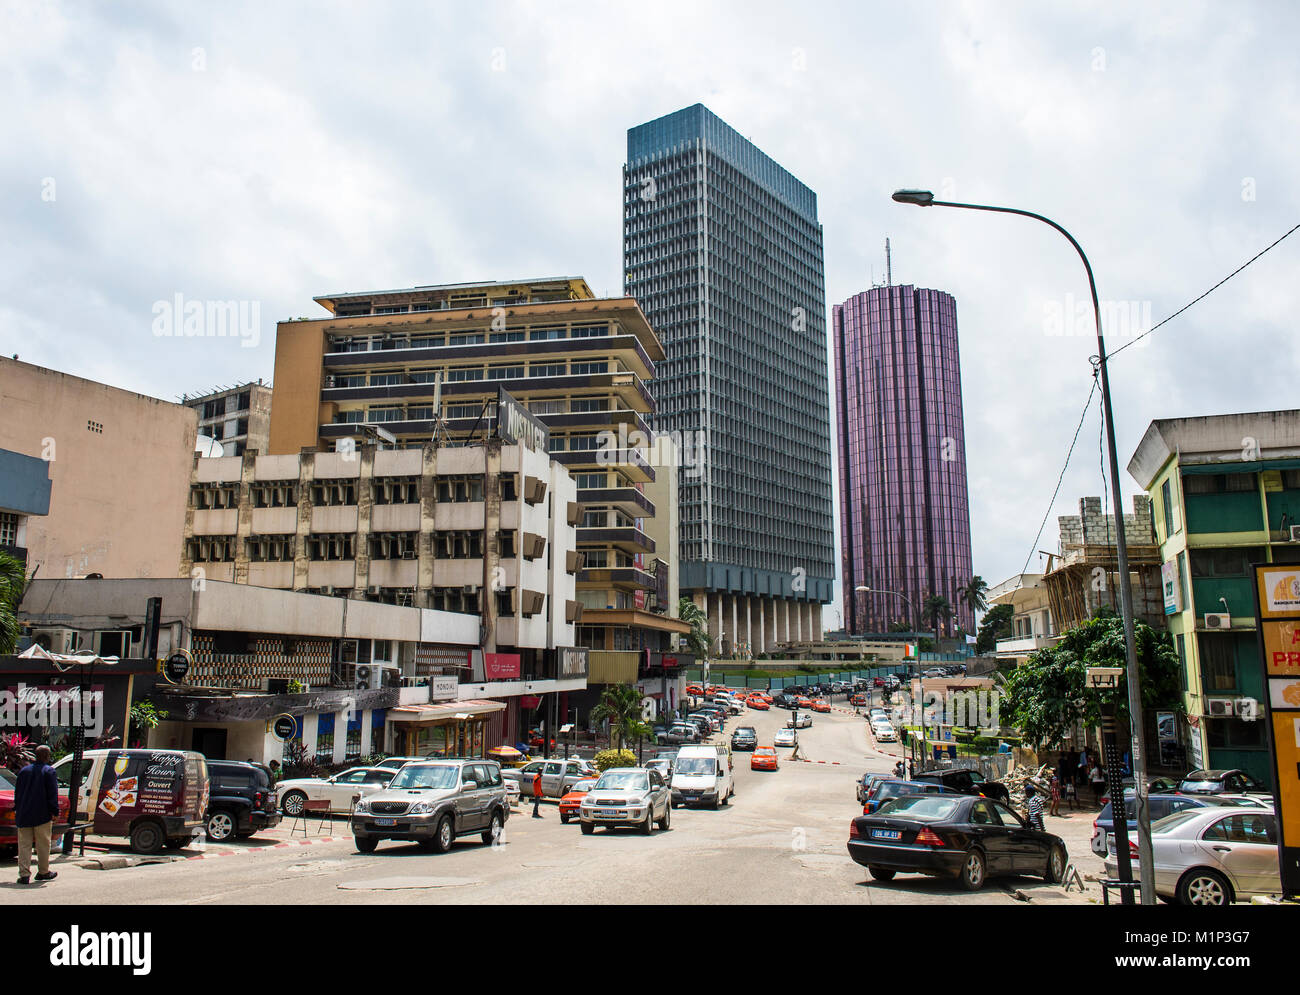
(501, 666)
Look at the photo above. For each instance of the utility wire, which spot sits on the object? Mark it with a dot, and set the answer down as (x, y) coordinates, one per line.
(1139, 338)
(1078, 428)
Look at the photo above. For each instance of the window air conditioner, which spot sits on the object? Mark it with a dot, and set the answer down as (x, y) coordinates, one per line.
(328, 589)
(374, 590)
(57, 640)
(1295, 533)
(1219, 707)
(1218, 620)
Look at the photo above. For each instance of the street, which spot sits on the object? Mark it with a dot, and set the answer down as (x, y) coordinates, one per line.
(782, 839)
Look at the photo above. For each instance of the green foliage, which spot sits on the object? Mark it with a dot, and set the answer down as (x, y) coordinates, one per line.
(296, 687)
(620, 705)
(1047, 695)
(935, 607)
(145, 715)
(973, 594)
(899, 626)
(995, 625)
(606, 759)
(12, 584)
(690, 613)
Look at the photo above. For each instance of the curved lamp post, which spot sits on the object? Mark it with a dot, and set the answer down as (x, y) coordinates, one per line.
(924, 198)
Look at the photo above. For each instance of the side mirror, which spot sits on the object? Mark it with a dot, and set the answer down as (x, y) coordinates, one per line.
(468, 785)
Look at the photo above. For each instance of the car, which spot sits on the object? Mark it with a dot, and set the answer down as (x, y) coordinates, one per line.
(1245, 801)
(763, 758)
(760, 704)
(801, 701)
(859, 700)
(557, 776)
(821, 705)
(878, 713)
(1221, 782)
(702, 775)
(679, 732)
(241, 800)
(572, 800)
(896, 787)
(884, 733)
(703, 724)
(965, 782)
(947, 835)
(1158, 806)
(626, 796)
(744, 738)
(878, 682)
(339, 790)
(867, 783)
(8, 820)
(664, 765)
(799, 720)
(432, 803)
(1212, 856)
(397, 763)
(783, 737)
(694, 689)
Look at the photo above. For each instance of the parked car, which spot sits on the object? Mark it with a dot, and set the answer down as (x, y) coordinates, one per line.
(702, 775)
(572, 799)
(241, 800)
(397, 763)
(965, 782)
(111, 796)
(1159, 806)
(859, 700)
(664, 765)
(884, 733)
(558, 776)
(760, 704)
(821, 705)
(783, 737)
(867, 783)
(1221, 782)
(432, 803)
(1212, 855)
(969, 838)
(8, 821)
(763, 758)
(627, 796)
(800, 720)
(703, 724)
(744, 738)
(680, 732)
(896, 787)
(338, 790)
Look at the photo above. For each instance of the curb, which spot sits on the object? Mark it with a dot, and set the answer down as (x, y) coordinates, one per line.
(284, 845)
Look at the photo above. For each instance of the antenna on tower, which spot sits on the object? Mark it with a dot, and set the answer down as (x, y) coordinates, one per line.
(889, 269)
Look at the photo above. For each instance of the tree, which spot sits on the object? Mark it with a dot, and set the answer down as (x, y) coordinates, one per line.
(13, 581)
(973, 594)
(934, 607)
(899, 626)
(995, 625)
(690, 613)
(620, 704)
(1047, 695)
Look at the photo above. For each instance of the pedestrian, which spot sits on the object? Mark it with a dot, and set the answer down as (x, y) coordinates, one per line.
(275, 771)
(1098, 780)
(1055, 787)
(537, 795)
(1035, 807)
(36, 807)
(898, 769)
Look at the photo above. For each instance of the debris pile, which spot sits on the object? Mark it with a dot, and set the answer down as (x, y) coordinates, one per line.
(1016, 779)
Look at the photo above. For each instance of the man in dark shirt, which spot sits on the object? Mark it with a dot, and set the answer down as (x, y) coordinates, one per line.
(36, 806)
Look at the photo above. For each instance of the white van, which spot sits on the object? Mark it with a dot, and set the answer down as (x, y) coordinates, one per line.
(702, 776)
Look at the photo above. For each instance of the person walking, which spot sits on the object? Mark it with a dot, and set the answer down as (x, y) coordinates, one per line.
(1055, 788)
(36, 807)
(537, 795)
(1098, 780)
(1034, 804)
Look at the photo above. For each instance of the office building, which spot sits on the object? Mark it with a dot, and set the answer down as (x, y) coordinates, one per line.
(722, 250)
(237, 417)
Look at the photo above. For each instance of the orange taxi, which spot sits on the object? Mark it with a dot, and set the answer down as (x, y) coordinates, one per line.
(821, 705)
(763, 758)
(803, 702)
(571, 802)
(759, 703)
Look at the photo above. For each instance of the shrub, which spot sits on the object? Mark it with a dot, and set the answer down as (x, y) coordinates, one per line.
(606, 759)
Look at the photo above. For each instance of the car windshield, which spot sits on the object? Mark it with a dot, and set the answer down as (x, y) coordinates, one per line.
(584, 786)
(623, 779)
(7, 779)
(695, 765)
(922, 808)
(1171, 822)
(436, 776)
(1200, 786)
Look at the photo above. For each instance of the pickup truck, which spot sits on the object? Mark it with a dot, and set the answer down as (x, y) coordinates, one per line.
(558, 776)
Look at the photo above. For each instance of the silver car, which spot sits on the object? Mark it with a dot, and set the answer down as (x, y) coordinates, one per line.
(627, 796)
(558, 776)
(1213, 856)
(431, 803)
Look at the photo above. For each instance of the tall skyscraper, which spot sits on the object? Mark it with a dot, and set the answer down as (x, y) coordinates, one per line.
(723, 252)
(904, 512)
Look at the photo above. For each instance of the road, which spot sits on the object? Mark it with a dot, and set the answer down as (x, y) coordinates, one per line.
(782, 839)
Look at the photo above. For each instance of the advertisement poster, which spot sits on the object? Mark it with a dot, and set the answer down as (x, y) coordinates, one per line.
(139, 783)
(1279, 591)
(501, 666)
(1169, 582)
(1281, 648)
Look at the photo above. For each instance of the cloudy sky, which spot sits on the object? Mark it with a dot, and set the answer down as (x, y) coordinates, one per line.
(271, 152)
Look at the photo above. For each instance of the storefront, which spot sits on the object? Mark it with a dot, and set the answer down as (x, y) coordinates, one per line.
(446, 729)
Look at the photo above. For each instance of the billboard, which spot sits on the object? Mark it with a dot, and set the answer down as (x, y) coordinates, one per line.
(1169, 583)
(515, 423)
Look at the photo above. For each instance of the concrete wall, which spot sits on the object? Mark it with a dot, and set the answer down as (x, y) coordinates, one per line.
(295, 404)
(119, 467)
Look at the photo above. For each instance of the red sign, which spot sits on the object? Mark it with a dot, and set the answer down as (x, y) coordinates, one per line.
(501, 666)
(530, 701)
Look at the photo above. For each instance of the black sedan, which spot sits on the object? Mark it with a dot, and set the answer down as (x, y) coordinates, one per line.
(744, 738)
(969, 838)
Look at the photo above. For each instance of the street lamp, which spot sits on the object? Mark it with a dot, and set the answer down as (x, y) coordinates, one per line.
(924, 198)
(916, 623)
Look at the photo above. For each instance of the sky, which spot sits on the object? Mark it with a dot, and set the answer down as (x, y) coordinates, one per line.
(269, 153)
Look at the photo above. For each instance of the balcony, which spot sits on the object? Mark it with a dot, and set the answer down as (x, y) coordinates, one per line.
(628, 500)
(618, 578)
(631, 461)
(626, 538)
(1024, 646)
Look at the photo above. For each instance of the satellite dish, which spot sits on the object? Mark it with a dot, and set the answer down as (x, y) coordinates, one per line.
(208, 447)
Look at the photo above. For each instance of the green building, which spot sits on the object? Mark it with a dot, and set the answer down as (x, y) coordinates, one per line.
(1225, 494)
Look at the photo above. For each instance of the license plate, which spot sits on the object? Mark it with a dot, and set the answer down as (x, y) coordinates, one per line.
(385, 822)
(607, 813)
(887, 834)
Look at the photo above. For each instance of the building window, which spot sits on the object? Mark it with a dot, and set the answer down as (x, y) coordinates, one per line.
(270, 549)
(462, 373)
(212, 549)
(393, 545)
(505, 373)
(1218, 664)
(509, 335)
(549, 332)
(334, 492)
(396, 490)
(509, 487)
(1186, 600)
(8, 530)
(460, 489)
(465, 338)
(278, 495)
(461, 545)
(331, 546)
(546, 370)
(1180, 644)
(595, 367)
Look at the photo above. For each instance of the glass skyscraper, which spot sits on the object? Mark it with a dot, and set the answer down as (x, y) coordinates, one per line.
(723, 251)
(904, 512)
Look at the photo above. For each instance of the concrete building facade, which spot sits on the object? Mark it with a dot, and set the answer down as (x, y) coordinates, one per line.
(237, 417)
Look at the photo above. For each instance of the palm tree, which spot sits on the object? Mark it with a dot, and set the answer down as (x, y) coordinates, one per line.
(691, 613)
(13, 581)
(973, 594)
(936, 606)
(621, 705)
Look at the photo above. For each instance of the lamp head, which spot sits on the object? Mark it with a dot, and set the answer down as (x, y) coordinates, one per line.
(921, 198)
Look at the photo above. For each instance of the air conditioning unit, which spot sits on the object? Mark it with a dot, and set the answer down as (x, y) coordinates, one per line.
(469, 589)
(1218, 620)
(328, 589)
(1295, 533)
(329, 381)
(374, 590)
(57, 640)
(1219, 707)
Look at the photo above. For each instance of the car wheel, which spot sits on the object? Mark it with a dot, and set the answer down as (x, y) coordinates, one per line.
(1203, 886)
(588, 828)
(293, 803)
(493, 831)
(220, 826)
(365, 844)
(673, 803)
(147, 837)
(648, 826)
(1055, 870)
(445, 835)
(971, 874)
(882, 873)
(666, 821)
(564, 818)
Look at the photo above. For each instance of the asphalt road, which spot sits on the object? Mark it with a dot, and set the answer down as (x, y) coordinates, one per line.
(782, 839)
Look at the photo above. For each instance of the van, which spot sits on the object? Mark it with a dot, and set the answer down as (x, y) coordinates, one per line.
(702, 775)
(154, 798)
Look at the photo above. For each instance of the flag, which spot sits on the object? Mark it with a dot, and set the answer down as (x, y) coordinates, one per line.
(910, 653)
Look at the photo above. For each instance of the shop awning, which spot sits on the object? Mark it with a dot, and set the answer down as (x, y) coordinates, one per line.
(445, 711)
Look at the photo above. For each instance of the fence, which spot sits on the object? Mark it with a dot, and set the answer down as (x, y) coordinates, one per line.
(779, 683)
